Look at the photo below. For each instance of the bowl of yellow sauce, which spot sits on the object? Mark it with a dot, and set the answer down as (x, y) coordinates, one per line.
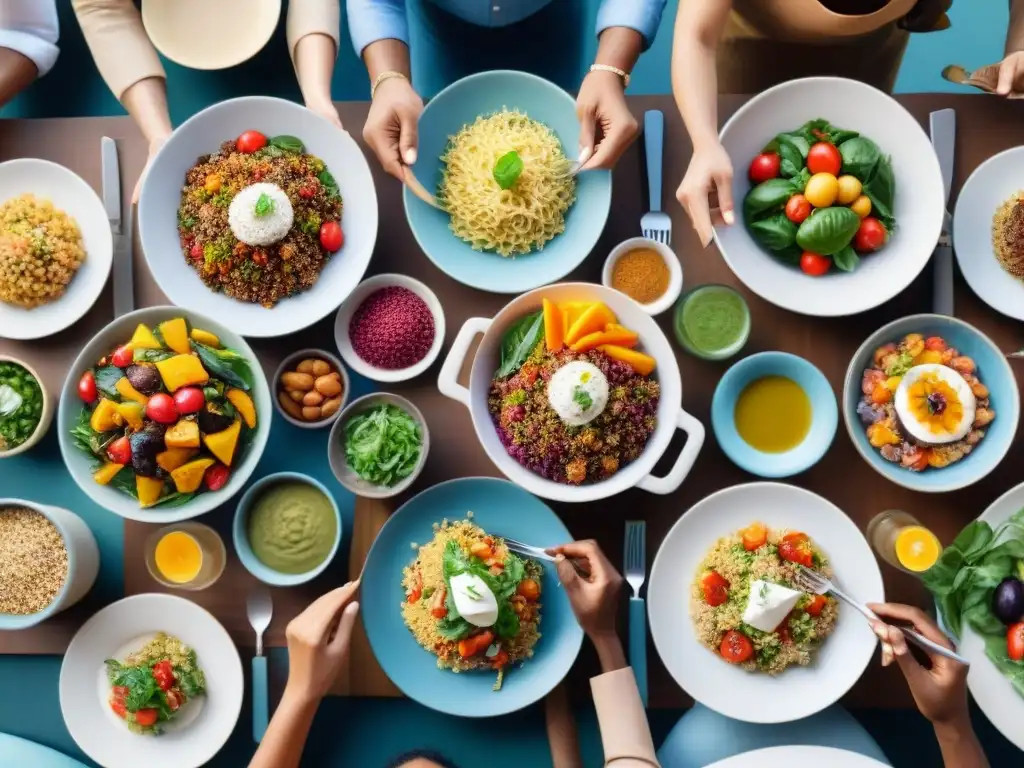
(774, 414)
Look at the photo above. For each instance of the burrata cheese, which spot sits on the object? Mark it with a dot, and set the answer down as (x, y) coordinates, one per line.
(578, 393)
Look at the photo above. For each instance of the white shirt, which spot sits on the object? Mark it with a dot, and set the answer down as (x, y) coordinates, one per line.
(30, 28)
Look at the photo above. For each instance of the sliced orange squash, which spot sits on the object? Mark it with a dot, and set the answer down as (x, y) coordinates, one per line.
(175, 333)
(222, 444)
(105, 416)
(205, 337)
(149, 490)
(554, 326)
(143, 338)
(621, 338)
(573, 310)
(593, 319)
(182, 371)
(188, 477)
(106, 473)
(184, 434)
(132, 413)
(638, 361)
(173, 458)
(128, 392)
(244, 405)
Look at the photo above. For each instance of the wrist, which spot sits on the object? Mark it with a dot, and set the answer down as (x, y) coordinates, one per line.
(298, 696)
(616, 75)
(609, 650)
(955, 725)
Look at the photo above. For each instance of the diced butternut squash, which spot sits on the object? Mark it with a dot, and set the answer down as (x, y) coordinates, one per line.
(106, 473)
(593, 319)
(205, 337)
(105, 416)
(128, 392)
(188, 477)
(143, 338)
(573, 310)
(222, 444)
(244, 405)
(638, 361)
(182, 371)
(173, 458)
(184, 434)
(621, 338)
(132, 413)
(148, 489)
(175, 333)
(554, 326)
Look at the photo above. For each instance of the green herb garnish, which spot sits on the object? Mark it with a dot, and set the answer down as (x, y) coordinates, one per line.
(383, 444)
(507, 169)
(519, 342)
(582, 398)
(288, 144)
(264, 205)
(472, 592)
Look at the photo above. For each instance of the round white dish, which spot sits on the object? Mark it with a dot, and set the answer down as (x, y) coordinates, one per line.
(288, 364)
(191, 32)
(675, 271)
(45, 418)
(122, 627)
(787, 757)
(756, 697)
(70, 193)
(918, 209)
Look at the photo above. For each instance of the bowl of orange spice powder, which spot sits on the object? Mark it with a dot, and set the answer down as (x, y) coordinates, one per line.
(645, 270)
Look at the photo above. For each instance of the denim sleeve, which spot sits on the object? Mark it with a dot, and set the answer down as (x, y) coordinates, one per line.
(373, 20)
(642, 15)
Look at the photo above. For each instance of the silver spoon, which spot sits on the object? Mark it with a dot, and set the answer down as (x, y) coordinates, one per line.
(260, 609)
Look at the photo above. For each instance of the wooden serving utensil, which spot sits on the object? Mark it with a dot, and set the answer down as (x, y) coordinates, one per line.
(410, 180)
(984, 78)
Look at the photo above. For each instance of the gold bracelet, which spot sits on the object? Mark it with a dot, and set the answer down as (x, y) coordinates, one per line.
(614, 70)
(381, 78)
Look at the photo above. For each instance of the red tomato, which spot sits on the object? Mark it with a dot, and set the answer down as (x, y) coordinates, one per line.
(196, 252)
(308, 190)
(736, 647)
(123, 356)
(870, 236)
(259, 257)
(754, 537)
(500, 659)
(814, 265)
(796, 548)
(935, 343)
(217, 476)
(146, 717)
(797, 209)
(87, 387)
(120, 451)
(331, 236)
(1015, 642)
(119, 708)
(250, 141)
(824, 158)
(716, 588)
(161, 409)
(163, 673)
(175, 699)
(783, 630)
(189, 400)
(765, 166)
(817, 605)
(119, 692)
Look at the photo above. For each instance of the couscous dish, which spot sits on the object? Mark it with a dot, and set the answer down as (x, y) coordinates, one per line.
(746, 606)
(471, 602)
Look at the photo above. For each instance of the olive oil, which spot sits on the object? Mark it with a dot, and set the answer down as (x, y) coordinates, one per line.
(773, 414)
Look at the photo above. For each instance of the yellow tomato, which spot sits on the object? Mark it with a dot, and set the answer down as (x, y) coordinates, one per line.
(861, 206)
(821, 190)
(849, 189)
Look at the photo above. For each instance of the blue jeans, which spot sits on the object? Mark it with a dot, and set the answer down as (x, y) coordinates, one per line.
(703, 737)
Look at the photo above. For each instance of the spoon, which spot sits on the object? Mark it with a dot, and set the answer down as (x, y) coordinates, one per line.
(259, 608)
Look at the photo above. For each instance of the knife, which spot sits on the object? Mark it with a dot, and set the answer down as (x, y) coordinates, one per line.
(942, 125)
(120, 227)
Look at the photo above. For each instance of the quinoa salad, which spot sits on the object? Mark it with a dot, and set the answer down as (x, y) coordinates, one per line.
(745, 604)
(471, 602)
(260, 218)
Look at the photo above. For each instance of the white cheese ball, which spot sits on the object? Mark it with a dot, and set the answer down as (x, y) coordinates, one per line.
(578, 393)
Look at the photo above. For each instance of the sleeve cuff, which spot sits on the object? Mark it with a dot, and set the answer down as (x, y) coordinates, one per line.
(642, 15)
(625, 733)
(372, 21)
(312, 17)
(42, 53)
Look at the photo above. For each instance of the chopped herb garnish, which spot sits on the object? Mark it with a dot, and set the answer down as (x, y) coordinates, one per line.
(507, 169)
(264, 205)
(582, 398)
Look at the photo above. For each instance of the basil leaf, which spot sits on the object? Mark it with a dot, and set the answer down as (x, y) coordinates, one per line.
(519, 342)
(792, 161)
(225, 364)
(846, 259)
(264, 205)
(454, 561)
(768, 196)
(507, 625)
(790, 255)
(330, 183)
(881, 189)
(289, 144)
(507, 169)
(453, 628)
(828, 230)
(840, 135)
(107, 378)
(776, 233)
(860, 156)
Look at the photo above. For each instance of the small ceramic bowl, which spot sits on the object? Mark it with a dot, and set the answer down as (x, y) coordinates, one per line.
(45, 416)
(289, 364)
(240, 532)
(824, 414)
(352, 303)
(682, 332)
(675, 271)
(336, 446)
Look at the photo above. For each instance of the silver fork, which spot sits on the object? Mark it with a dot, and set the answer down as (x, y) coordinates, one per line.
(655, 224)
(812, 581)
(528, 550)
(636, 571)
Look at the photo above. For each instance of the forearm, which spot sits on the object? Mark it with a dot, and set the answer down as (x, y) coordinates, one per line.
(314, 59)
(16, 73)
(561, 727)
(694, 74)
(959, 744)
(1015, 29)
(146, 102)
(609, 652)
(619, 47)
(625, 733)
(388, 55)
(286, 735)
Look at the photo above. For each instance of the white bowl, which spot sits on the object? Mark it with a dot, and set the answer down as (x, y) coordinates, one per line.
(675, 271)
(71, 194)
(652, 341)
(918, 209)
(45, 416)
(365, 289)
(730, 690)
(203, 134)
(288, 364)
(205, 723)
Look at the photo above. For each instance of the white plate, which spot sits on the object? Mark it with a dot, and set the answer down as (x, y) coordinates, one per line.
(759, 698)
(69, 193)
(789, 757)
(1002, 705)
(918, 208)
(122, 627)
(991, 184)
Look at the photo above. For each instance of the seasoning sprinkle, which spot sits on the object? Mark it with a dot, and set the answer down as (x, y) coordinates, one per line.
(33, 561)
(641, 274)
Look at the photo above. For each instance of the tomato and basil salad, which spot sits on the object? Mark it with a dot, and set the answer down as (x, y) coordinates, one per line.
(823, 197)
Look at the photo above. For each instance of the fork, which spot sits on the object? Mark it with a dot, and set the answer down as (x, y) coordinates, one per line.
(528, 550)
(655, 224)
(636, 569)
(811, 581)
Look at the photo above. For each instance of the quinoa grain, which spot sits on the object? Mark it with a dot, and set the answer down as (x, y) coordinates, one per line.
(33, 561)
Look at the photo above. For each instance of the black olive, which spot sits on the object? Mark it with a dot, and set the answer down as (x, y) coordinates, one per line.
(214, 418)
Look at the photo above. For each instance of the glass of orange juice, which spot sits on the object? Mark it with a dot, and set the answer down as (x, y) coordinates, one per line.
(185, 556)
(903, 542)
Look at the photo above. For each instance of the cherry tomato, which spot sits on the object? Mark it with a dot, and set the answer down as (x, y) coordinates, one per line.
(189, 400)
(163, 673)
(120, 451)
(817, 605)
(146, 717)
(196, 252)
(500, 659)
(824, 158)
(813, 264)
(715, 587)
(754, 537)
(736, 647)
(87, 387)
(764, 167)
(797, 209)
(250, 141)
(161, 409)
(783, 630)
(175, 699)
(935, 344)
(870, 236)
(259, 258)
(415, 592)
(308, 190)
(529, 589)
(119, 708)
(1015, 642)
(119, 692)
(123, 356)
(331, 236)
(217, 476)
(796, 548)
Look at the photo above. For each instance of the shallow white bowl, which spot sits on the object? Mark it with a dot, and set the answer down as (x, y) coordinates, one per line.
(71, 194)
(918, 209)
(756, 697)
(202, 134)
(675, 271)
(359, 295)
(288, 364)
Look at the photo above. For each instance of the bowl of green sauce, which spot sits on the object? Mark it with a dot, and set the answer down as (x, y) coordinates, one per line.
(712, 322)
(26, 408)
(287, 529)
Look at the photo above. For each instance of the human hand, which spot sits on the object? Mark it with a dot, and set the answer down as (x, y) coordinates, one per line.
(391, 127)
(940, 691)
(709, 172)
(607, 127)
(326, 110)
(318, 643)
(154, 147)
(594, 598)
(1011, 74)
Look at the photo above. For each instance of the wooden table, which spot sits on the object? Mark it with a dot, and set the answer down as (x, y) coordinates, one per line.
(985, 126)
